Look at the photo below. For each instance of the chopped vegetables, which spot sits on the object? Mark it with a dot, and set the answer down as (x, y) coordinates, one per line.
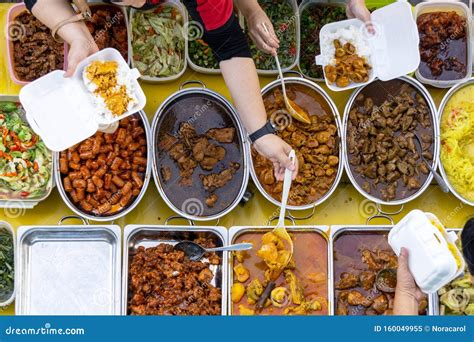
(313, 18)
(6, 264)
(25, 162)
(201, 54)
(282, 15)
(158, 42)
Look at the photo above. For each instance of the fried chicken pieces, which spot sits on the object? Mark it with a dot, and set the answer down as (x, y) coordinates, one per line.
(190, 150)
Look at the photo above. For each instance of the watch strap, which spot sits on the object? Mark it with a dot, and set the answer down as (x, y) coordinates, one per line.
(268, 128)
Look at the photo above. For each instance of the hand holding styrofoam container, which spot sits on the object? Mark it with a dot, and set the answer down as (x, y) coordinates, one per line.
(64, 112)
(434, 259)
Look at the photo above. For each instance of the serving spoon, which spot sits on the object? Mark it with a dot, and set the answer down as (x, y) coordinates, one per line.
(282, 233)
(442, 184)
(195, 252)
(295, 111)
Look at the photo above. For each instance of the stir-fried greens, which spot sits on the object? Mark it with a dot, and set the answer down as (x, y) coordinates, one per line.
(282, 15)
(6, 264)
(158, 42)
(313, 18)
(25, 162)
(201, 54)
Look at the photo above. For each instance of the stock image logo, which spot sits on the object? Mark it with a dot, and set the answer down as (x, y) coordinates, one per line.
(367, 208)
(193, 206)
(192, 30)
(281, 119)
(15, 31)
(14, 210)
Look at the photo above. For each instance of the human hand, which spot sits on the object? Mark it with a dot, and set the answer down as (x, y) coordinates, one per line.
(276, 150)
(133, 3)
(407, 293)
(262, 33)
(357, 9)
(79, 50)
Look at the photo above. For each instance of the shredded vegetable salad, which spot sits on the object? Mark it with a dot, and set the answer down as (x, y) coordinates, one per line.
(158, 42)
(25, 162)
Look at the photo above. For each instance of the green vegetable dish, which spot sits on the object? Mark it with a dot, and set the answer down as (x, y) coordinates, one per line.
(25, 162)
(6, 265)
(313, 18)
(282, 15)
(158, 42)
(201, 54)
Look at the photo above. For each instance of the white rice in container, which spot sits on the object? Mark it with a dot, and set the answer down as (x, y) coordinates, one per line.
(124, 77)
(351, 34)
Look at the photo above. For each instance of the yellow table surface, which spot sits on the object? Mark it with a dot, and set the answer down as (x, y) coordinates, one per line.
(345, 206)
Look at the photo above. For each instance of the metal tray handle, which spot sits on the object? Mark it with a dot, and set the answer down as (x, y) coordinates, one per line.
(273, 218)
(73, 217)
(184, 84)
(301, 218)
(387, 217)
(176, 217)
(291, 72)
(396, 212)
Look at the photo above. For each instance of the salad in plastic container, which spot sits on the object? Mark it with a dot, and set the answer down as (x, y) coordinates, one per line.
(25, 162)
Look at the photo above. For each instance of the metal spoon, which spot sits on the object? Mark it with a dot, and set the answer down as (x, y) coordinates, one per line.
(442, 184)
(195, 252)
(386, 280)
(295, 111)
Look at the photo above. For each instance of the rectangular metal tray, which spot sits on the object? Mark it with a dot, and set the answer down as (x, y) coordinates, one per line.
(434, 298)
(68, 270)
(150, 236)
(235, 232)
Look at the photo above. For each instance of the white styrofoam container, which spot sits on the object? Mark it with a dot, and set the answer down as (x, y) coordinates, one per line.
(461, 9)
(430, 261)
(61, 110)
(151, 79)
(394, 46)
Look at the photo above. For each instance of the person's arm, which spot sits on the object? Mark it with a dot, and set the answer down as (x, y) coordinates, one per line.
(407, 294)
(256, 20)
(51, 13)
(358, 9)
(241, 71)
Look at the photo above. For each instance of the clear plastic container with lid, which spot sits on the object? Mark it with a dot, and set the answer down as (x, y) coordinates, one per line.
(62, 110)
(434, 259)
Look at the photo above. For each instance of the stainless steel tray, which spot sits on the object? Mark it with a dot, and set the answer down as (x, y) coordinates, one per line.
(68, 270)
(434, 298)
(336, 231)
(235, 232)
(150, 236)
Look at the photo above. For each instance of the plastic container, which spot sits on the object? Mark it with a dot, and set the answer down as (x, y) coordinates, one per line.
(295, 16)
(151, 79)
(61, 110)
(394, 46)
(461, 9)
(7, 300)
(432, 249)
(13, 12)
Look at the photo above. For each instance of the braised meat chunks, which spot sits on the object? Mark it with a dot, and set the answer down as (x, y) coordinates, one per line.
(104, 173)
(163, 281)
(381, 143)
(35, 52)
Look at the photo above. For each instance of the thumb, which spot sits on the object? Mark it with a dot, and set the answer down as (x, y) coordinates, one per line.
(70, 68)
(403, 270)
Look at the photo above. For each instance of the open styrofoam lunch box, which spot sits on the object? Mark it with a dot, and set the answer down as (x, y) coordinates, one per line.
(434, 259)
(62, 111)
(393, 46)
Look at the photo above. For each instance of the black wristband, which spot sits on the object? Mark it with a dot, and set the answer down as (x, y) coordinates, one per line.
(267, 129)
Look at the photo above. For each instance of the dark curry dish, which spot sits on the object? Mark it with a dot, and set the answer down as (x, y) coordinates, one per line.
(443, 45)
(316, 146)
(301, 289)
(382, 151)
(163, 281)
(365, 275)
